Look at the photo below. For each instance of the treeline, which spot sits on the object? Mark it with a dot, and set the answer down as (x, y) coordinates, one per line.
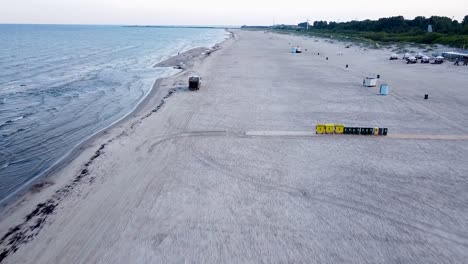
(398, 24)
(397, 29)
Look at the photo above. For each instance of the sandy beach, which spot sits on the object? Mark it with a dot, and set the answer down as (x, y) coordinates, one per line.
(234, 173)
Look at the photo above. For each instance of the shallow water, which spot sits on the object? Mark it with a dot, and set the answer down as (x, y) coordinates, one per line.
(61, 84)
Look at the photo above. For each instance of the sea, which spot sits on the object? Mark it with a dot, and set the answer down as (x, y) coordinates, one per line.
(60, 84)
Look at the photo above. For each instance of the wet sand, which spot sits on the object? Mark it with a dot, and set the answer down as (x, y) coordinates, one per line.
(234, 173)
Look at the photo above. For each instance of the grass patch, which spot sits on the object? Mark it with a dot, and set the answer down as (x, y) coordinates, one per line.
(372, 39)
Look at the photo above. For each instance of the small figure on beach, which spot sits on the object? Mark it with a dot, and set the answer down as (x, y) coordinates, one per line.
(465, 61)
(457, 62)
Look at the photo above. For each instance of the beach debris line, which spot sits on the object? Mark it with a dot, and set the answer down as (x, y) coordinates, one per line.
(24, 233)
(340, 129)
(35, 221)
(158, 107)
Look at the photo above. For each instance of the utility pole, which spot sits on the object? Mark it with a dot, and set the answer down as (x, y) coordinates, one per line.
(307, 24)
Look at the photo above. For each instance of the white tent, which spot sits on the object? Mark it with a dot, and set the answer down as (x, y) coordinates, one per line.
(425, 59)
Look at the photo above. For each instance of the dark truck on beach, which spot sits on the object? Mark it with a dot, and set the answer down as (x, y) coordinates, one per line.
(194, 83)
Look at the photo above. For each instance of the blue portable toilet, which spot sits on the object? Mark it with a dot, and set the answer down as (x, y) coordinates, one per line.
(293, 49)
(384, 89)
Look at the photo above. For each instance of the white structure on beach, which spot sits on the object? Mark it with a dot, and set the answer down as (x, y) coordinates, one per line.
(451, 55)
(429, 28)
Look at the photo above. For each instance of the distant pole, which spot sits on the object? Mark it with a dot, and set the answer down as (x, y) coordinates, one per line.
(307, 24)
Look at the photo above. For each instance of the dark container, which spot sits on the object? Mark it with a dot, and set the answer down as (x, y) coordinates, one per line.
(380, 131)
(378, 76)
(356, 130)
(426, 96)
(347, 131)
(365, 131)
(194, 83)
(347, 65)
(385, 131)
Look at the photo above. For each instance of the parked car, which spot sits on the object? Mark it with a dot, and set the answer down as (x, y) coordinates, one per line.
(411, 60)
(439, 60)
(425, 59)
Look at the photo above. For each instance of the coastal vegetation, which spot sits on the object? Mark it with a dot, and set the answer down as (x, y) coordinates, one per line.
(394, 29)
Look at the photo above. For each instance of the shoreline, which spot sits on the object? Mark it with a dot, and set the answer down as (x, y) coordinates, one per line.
(40, 181)
(28, 210)
(72, 154)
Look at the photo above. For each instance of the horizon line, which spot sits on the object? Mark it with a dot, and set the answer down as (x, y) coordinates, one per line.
(120, 25)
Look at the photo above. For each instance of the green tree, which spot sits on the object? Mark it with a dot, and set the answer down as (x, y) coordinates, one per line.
(465, 21)
(441, 24)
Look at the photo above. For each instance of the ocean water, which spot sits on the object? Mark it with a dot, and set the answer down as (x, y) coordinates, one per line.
(61, 84)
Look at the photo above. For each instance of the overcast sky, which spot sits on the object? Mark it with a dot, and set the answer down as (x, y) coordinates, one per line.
(209, 12)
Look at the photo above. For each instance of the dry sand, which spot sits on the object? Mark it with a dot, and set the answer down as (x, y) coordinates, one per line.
(233, 173)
